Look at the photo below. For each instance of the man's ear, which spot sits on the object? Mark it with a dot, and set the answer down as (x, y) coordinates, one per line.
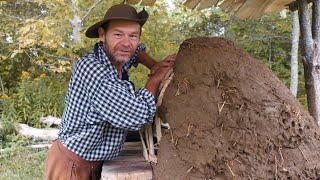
(102, 34)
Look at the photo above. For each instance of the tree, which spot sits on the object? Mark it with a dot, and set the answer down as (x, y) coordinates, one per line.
(310, 52)
(294, 54)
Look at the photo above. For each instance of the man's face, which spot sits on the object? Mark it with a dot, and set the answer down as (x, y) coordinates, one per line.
(121, 40)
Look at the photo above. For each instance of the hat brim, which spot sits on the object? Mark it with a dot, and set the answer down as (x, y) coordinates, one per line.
(92, 32)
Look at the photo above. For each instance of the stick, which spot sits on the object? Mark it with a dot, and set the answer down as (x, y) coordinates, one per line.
(145, 152)
(172, 139)
(150, 138)
(220, 108)
(178, 90)
(189, 129)
(282, 161)
(190, 169)
(158, 128)
(303, 154)
(175, 144)
(218, 82)
(90, 9)
(241, 106)
(146, 135)
(163, 86)
(276, 163)
(221, 128)
(230, 170)
(238, 160)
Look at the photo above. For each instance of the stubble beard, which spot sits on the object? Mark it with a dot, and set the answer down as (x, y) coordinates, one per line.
(113, 59)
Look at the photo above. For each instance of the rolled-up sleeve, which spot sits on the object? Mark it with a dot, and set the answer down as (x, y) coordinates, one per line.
(123, 108)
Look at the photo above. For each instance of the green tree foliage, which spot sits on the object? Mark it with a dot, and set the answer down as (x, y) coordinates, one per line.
(41, 39)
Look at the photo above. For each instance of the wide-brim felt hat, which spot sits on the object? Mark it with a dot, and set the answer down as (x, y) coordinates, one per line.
(120, 12)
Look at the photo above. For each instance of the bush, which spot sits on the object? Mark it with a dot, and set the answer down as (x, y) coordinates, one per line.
(35, 98)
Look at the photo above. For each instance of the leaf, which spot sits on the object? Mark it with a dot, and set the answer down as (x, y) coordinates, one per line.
(15, 52)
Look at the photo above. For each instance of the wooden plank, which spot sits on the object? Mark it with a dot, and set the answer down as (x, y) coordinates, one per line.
(226, 4)
(133, 1)
(235, 6)
(129, 165)
(148, 2)
(277, 6)
(191, 3)
(207, 4)
(252, 9)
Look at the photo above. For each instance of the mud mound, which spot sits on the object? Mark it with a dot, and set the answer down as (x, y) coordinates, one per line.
(231, 118)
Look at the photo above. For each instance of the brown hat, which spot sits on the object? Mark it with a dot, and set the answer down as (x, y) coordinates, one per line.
(120, 11)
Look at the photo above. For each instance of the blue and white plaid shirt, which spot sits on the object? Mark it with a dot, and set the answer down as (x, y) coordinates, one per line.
(100, 108)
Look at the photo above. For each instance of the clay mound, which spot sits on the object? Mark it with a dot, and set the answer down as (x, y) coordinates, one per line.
(231, 118)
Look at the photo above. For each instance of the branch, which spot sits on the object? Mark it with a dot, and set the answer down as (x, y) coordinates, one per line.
(49, 120)
(90, 9)
(305, 29)
(57, 57)
(316, 21)
(13, 17)
(39, 134)
(1, 86)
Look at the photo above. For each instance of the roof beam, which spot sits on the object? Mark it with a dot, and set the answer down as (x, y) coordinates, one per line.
(294, 5)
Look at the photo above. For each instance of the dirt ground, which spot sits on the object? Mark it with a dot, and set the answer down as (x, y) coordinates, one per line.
(232, 118)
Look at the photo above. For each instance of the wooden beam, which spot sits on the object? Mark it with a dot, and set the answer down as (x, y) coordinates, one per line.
(277, 6)
(148, 2)
(252, 9)
(207, 4)
(191, 3)
(226, 4)
(235, 6)
(293, 6)
(48, 134)
(133, 1)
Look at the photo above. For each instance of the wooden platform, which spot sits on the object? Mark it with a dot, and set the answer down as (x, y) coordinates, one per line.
(130, 165)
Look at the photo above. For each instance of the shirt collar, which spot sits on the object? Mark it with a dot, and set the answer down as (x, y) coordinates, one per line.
(103, 58)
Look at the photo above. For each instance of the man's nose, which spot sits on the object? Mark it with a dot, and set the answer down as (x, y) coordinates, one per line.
(125, 41)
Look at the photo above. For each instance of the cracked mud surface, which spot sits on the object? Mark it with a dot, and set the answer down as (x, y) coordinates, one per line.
(232, 118)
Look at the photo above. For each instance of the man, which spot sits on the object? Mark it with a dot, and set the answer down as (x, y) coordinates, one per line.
(101, 104)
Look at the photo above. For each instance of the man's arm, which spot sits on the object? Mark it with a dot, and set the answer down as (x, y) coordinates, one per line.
(145, 59)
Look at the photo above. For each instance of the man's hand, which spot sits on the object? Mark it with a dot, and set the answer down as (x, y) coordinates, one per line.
(167, 62)
(158, 73)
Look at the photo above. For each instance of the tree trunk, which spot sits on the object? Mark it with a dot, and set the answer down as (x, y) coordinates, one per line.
(76, 23)
(310, 55)
(294, 54)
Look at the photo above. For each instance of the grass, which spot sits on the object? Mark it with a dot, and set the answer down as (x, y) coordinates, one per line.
(20, 163)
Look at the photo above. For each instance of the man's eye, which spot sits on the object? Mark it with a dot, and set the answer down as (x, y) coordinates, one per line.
(134, 37)
(118, 35)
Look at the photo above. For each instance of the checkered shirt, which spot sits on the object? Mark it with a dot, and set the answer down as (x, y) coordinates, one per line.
(100, 108)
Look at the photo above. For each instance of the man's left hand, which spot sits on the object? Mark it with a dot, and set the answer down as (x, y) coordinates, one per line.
(167, 62)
